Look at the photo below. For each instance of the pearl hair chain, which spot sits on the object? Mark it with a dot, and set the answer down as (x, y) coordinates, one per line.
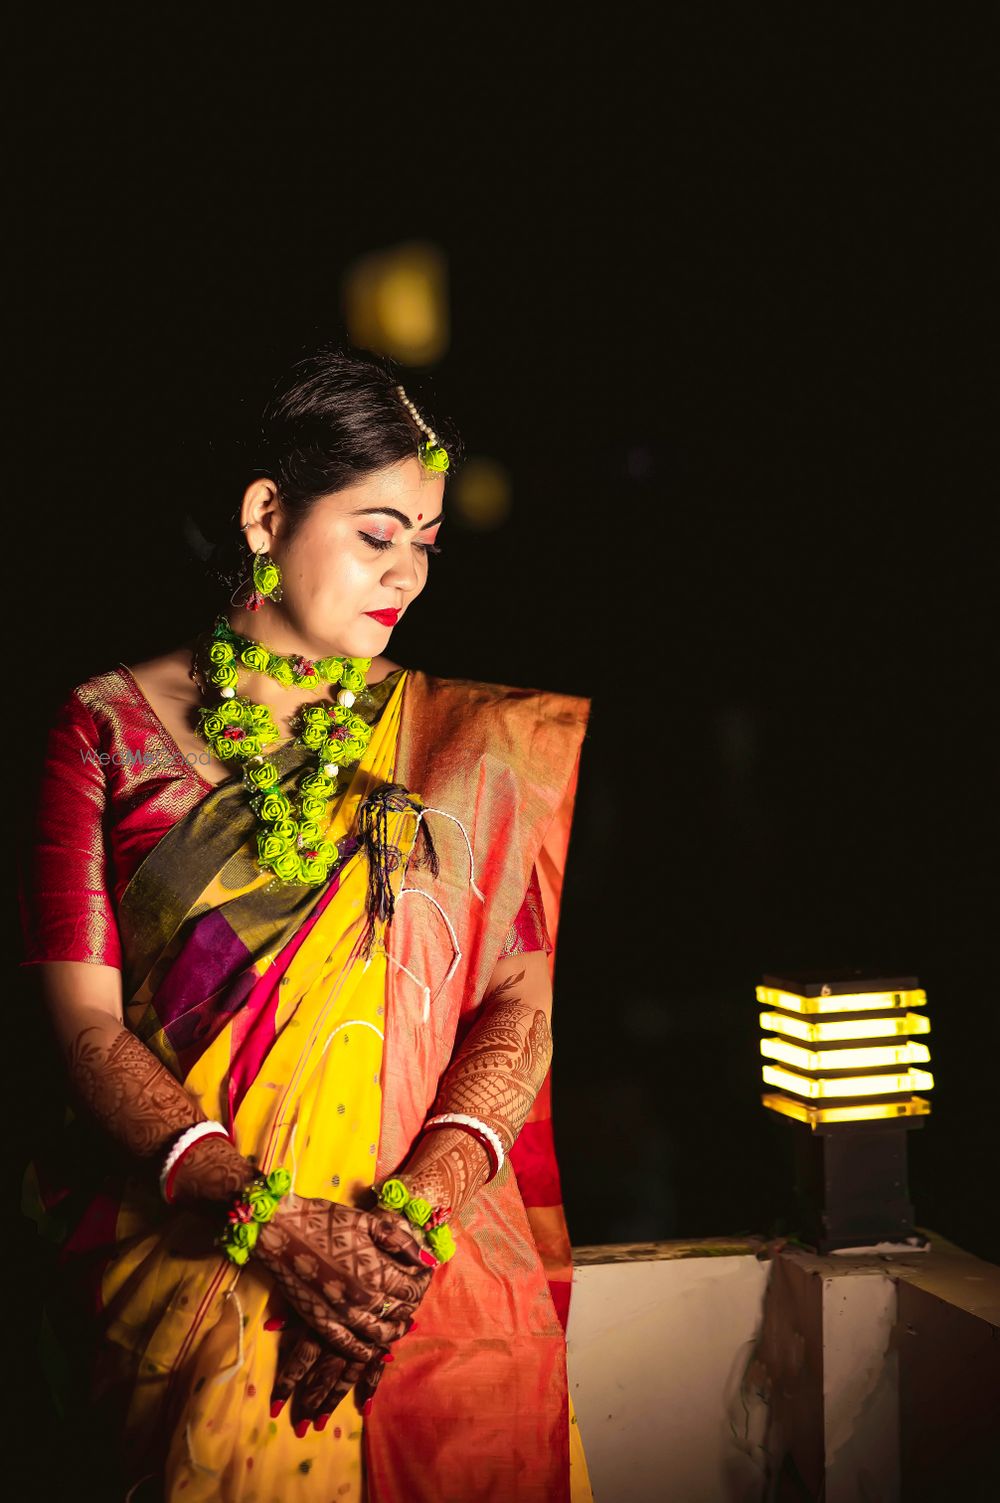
(425, 429)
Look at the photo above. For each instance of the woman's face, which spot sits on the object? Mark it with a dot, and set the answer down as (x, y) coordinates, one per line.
(359, 550)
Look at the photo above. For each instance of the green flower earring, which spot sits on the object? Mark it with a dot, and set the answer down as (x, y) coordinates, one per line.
(266, 580)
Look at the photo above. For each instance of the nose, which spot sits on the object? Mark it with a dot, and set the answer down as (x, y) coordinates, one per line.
(401, 572)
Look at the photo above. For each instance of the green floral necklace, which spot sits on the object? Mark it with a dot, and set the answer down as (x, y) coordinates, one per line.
(290, 840)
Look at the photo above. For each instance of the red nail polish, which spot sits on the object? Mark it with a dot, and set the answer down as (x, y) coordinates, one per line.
(276, 1407)
(324, 1420)
(302, 1427)
(414, 1326)
(389, 1357)
(366, 1407)
(275, 1323)
(428, 1258)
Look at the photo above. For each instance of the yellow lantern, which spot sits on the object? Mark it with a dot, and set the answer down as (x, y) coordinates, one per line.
(844, 1051)
(845, 1055)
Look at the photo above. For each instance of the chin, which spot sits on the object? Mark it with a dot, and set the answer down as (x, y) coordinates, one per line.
(365, 641)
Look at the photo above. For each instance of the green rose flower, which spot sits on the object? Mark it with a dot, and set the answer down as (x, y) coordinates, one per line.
(234, 712)
(311, 833)
(265, 576)
(238, 1255)
(285, 828)
(224, 676)
(281, 669)
(441, 1242)
(314, 715)
(262, 1202)
(249, 747)
(312, 870)
(286, 866)
(434, 458)
(211, 724)
(418, 1210)
(270, 847)
(244, 1234)
(275, 806)
(313, 807)
(354, 749)
(318, 783)
(279, 1182)
(330, 669)
(393, 1194)
(352, 678)
(341, 715)
(224, 749)
(262, 775)
(327, 852)
(220, 652)
(255, 657)
(313, 736)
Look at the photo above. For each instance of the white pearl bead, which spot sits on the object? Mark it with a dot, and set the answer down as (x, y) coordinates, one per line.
(331, 769)
(229, 693)
(346, 698)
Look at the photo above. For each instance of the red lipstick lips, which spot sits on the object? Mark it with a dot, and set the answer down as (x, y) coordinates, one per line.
(384, 618)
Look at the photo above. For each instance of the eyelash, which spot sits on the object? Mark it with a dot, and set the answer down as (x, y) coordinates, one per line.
(382, 543)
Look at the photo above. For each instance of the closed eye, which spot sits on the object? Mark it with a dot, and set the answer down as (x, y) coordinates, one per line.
(381, 544)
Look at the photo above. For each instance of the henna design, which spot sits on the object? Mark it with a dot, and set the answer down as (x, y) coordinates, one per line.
(129, 1091)
(213, 1170)
(447, 1167)
(336, 1266)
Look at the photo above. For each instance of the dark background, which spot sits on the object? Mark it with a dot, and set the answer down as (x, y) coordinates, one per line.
(721, 295)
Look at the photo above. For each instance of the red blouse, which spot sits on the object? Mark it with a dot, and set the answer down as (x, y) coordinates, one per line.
(113, 782)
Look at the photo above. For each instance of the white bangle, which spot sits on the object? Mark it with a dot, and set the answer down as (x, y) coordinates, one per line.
(184, 1142)
(473, 1124)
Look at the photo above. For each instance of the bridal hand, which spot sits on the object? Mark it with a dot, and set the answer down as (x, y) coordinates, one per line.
(355, 1278)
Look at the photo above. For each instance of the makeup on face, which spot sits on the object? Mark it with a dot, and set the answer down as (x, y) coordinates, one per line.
(378, 531)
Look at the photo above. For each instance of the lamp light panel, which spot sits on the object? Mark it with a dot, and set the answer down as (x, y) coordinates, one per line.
(857, 1085)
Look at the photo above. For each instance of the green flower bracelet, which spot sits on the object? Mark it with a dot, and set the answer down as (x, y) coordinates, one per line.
(253, 1207)
(421, 1214)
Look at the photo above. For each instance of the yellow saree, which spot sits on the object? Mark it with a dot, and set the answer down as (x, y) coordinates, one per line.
(293, 1061)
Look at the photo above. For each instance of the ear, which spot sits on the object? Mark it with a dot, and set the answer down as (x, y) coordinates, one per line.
(260, 515)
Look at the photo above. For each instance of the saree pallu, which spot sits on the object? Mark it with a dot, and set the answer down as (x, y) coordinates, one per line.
(328, 1063)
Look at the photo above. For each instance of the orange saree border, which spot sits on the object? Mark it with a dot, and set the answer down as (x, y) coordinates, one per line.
(477, 1395)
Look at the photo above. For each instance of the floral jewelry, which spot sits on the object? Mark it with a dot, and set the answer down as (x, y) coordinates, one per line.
(290, 839)
(431, 1220)
(266, 577)
(252, 1208)
(432, 454)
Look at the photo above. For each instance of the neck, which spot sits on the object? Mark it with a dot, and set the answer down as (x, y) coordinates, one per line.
(271, 627)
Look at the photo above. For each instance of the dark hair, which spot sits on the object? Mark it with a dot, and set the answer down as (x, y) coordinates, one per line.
(333, 419)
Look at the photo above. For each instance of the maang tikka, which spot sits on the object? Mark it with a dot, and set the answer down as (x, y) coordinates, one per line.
(432, 454)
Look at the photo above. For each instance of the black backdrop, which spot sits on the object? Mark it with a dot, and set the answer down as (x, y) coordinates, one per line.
(719, 297)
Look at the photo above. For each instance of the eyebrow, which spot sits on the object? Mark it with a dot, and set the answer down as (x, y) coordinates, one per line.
(390, 511)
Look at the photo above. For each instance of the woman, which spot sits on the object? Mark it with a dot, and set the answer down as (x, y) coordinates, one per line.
(271, 966)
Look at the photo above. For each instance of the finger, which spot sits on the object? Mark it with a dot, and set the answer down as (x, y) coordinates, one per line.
(352, 1372)
(391, 1232)
(277, 1313)
(299, 1357)
(378, 1330)
(367, 1384)
(409, 1285)
(340, 1336)
(312, 1397)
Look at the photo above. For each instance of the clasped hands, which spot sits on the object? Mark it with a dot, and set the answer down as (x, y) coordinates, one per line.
(353, 1279)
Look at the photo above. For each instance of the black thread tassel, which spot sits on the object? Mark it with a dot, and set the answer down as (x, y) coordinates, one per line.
(383, 856)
